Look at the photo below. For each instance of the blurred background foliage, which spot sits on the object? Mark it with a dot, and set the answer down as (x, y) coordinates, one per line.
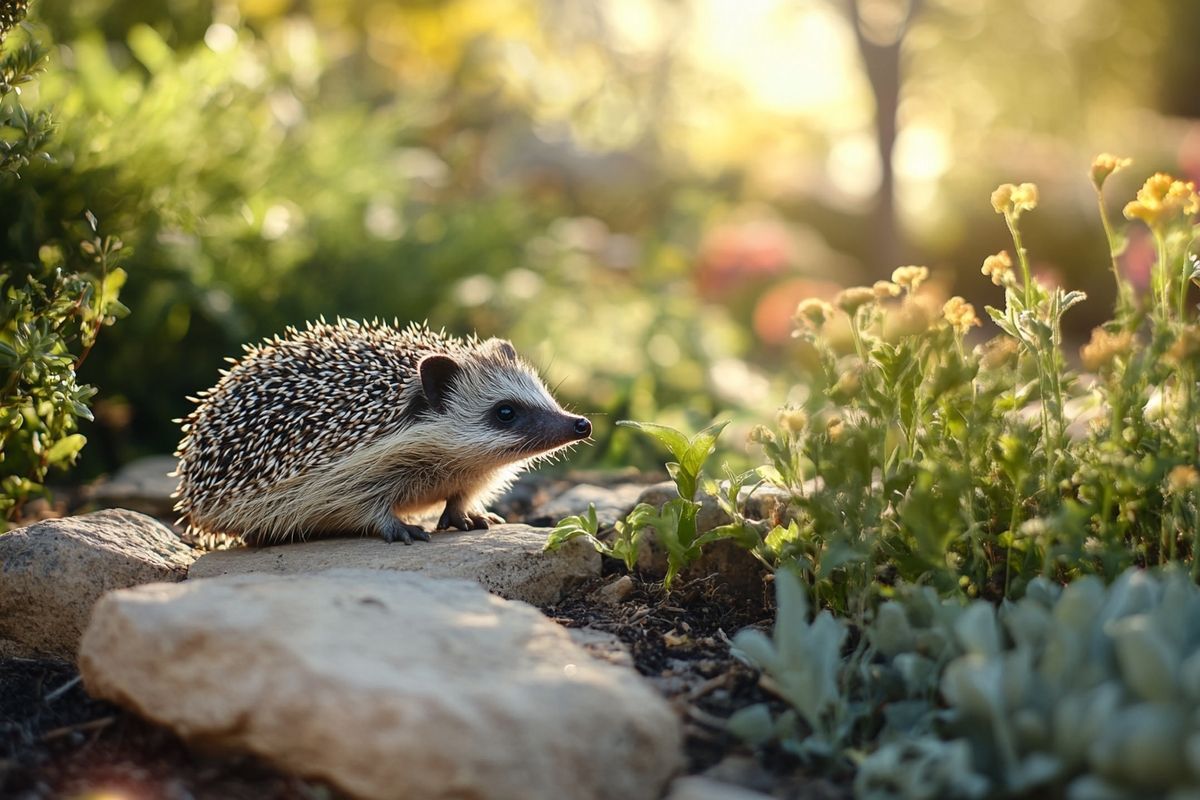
(636, 192)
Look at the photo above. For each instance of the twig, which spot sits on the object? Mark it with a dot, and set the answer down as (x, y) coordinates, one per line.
(715, 682)
(60, 691)
(67, 730)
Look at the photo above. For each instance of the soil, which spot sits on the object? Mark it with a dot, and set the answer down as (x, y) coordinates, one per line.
(57, 742)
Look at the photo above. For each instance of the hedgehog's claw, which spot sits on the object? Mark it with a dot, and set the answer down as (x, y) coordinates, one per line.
(455, 517)
(396, 531)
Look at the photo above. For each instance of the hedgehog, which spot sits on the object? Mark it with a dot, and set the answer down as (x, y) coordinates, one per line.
(356, 428)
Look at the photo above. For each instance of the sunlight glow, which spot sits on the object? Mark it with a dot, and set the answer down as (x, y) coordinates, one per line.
(788, 60)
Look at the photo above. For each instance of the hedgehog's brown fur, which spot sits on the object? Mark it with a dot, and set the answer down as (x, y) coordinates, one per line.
(330, 430)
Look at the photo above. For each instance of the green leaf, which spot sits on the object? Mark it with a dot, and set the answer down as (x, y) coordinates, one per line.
(700, 448)
(65, 449)
(675, 442)
(752, 724)
(572, 528)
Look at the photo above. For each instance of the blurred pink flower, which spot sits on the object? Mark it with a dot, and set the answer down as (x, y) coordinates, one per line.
(733, 255)
(1138, 258)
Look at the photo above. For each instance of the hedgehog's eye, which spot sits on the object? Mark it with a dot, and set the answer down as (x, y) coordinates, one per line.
(506, 413)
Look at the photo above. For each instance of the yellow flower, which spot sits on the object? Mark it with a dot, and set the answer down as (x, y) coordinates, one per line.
(792, 420)
(835, 429)
(1025, 197)
(813, 313)
(885, 289)
(1106, 164)
(1163, 200)
(1103, 348)
(910, 277)
(847, 385)
(1182, 478)
(912, 318)
(998, 267)
(1013, 199)
(854, 298)
(960, 314)
(761, 434)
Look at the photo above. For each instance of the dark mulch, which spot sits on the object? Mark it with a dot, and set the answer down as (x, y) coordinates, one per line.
(56, 741)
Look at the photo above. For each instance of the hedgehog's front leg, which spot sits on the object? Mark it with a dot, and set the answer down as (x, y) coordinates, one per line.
(392, 529)
(456, 515)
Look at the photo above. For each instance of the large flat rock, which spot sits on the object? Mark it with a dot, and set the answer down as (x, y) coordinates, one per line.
(52, 572)
(507, 559)
(387, 685)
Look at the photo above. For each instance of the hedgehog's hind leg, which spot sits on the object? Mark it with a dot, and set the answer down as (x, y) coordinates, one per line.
(457, 516)
(392, 529)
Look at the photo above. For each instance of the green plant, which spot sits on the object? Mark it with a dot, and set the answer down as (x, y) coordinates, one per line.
(1090, 690)
(54, 299)
(802, 664)
(918, 458)
(1083, 691)
(625, 544)
(674, 523)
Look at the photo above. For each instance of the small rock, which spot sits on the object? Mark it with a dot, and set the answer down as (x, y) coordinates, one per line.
(52, 572)
(142, 485)
(697, 788)
(614, 592)
(612, 503)
(506, 559)
(767, 502)
(386, 685)
(602, 645)
(733, 563)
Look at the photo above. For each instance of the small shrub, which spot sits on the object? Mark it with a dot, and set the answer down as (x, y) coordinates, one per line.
(54, 298)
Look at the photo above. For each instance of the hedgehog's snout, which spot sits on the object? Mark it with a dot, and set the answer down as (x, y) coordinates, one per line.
(583, 427)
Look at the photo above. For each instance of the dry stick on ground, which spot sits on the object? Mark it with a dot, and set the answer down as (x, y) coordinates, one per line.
(67, 730)
(60, 691)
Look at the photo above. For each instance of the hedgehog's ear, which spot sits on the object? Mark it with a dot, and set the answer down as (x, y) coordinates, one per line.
(502, 347)
(437, 375)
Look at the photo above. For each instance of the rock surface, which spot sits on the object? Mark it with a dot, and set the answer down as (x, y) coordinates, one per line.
(697, 788)
(387, 685)
(52, 572)
(143, 485)
(612, 503)
(507, 559)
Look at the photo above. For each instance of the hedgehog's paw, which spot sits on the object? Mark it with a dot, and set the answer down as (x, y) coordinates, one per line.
(393, 530)
(456, 517)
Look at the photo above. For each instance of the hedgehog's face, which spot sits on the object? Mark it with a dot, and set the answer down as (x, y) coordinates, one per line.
(496, 405)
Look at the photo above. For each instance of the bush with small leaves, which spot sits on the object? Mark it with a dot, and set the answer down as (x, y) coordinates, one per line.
(54, 298)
